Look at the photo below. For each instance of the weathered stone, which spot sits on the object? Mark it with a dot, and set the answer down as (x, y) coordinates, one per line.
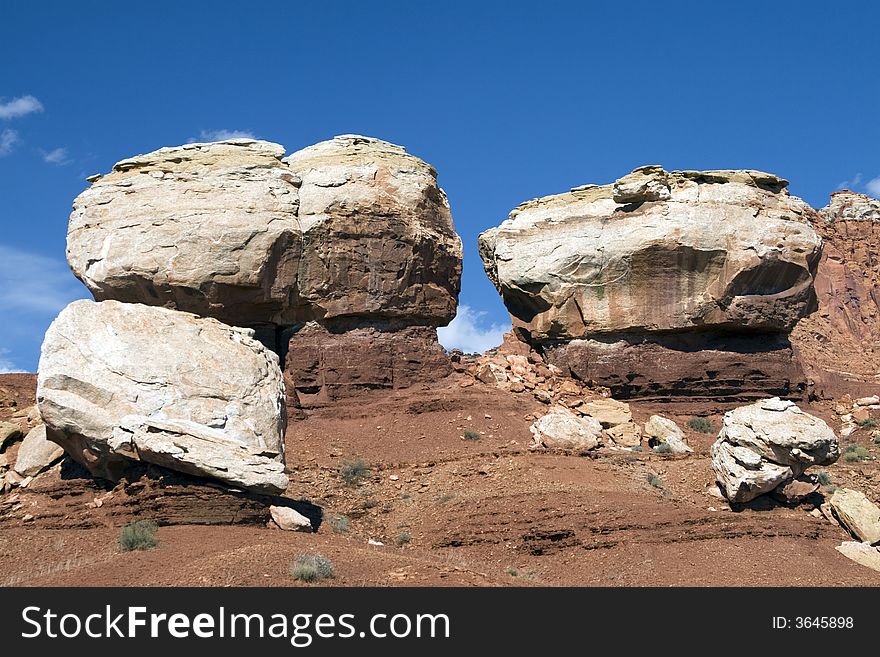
(862, 553)
(867, 401)
(324, 365)
(663, 431)
(796, 489)
(9, 432)
(609, 412)
(348, 229)
(857, 514)
(562, 429)
(768, 443)
(626, 434)
(743, 474)
(699, 249)
(290, 519)
(36, 453)
(121, 382)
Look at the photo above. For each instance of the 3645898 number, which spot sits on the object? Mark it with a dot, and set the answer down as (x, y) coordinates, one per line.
(823, 622)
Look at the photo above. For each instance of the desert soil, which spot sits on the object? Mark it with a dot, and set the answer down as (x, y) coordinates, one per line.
(448, 511)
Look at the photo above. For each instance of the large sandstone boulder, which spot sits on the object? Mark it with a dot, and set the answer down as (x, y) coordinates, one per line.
(120, 382)
(857, 513)
(764, 445)
(660, 266)
(839, 344)
(562, 429)
(353, 227)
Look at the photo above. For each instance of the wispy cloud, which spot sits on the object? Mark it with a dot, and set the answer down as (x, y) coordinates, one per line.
(6, 365)
(56, 156)
(852, 184)
(873, 186)
(223, 135)
(34, 283)
(8, 140)
(21, 106)
(858, 184)
(469, 333)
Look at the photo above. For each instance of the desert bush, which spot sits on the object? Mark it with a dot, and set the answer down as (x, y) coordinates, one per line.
(876, 439)
(354, 472)
(663, 448)
(311, 568)
(636, 448)
(701, 424)
(471, 435)
(403, 538)
(443, 498)
(654, 480)
(139, 535)
(339, 523)
(854, 453)
(824, 478)
(869, 423)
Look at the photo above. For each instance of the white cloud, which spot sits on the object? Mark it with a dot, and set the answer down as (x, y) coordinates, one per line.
(8, 140)
(873, 186)
(6, 365)
(21, 106)
(56, 156)
(851, 184)
(466, 333)
(34, 283)
(223, 135)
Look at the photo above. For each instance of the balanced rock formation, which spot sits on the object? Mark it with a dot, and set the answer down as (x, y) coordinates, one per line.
(839, 344)
(663, 283)
(767, 444)
(127, 382)
(352, 233)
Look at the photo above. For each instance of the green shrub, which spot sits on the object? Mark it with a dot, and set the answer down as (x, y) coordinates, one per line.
(354, 472)
(700, 424)
(869, 423)
(876, 439)
(443, 498)
(663, 448)
(339, 523)
(636, 448)
(824, 478)
(854, 453)
(311, 568)
(403, 538)
(654, 480)
(139, 535)
(471, 435)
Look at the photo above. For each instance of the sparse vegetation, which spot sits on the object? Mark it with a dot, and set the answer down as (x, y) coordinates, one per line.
(471, 435)
(701, 424)
(663, 448)
(654, 480)
(854, 453)
(403, 538)
(311, 568)
(354, 472)
(139, 535)
(830, 489)
(339, 523)
(876, 439)
(824, 478)
(868, 423)
(522, 574)
(443, 498)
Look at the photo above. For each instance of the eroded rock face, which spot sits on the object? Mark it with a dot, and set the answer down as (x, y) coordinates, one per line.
(656, 256)
(839, 344)
(120, 382)
(352, 227)
(764, 445)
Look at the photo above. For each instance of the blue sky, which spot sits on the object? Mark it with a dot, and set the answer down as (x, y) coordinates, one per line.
(508, 101)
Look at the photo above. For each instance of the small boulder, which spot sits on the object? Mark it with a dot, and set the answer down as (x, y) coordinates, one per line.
(9, 432)
(609, 412)
(857, 514)
(290, 519)
(862, 553)
(627, 434)
(562, 429)
(36, 453)
(666, 432)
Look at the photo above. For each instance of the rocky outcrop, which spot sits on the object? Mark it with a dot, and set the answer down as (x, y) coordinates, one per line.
(126, 382)
(765, 445)
(352, 233)
(661, 267)
(351, 227)
(839, 344)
